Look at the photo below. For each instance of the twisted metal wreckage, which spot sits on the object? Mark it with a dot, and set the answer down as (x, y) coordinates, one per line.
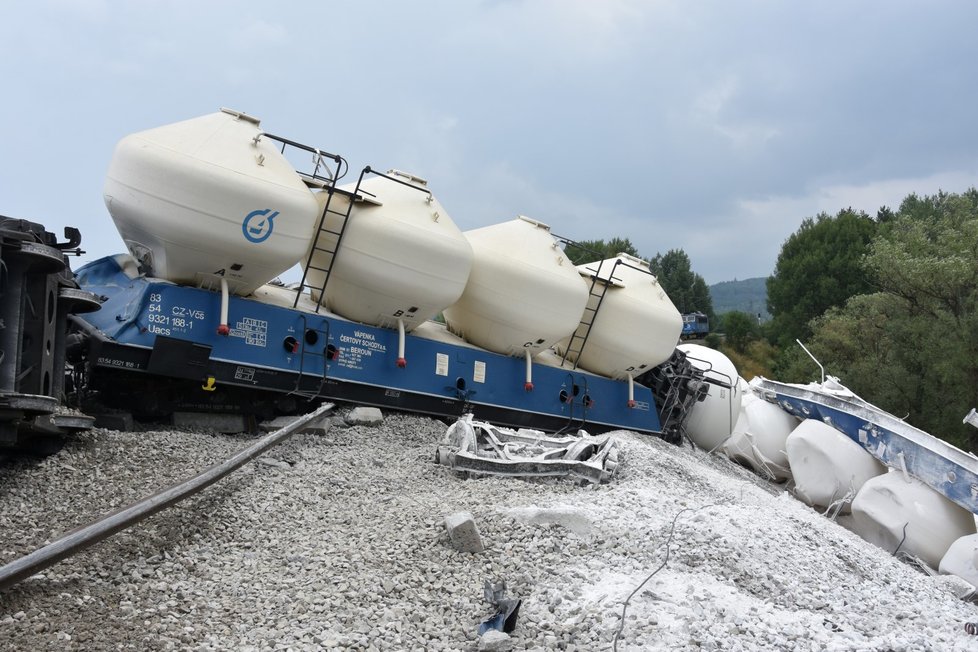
(480, 447)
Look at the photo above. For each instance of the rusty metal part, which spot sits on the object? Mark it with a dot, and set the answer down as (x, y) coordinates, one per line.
(90, 534)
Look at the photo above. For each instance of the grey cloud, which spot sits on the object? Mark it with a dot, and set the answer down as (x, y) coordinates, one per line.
(715, 127)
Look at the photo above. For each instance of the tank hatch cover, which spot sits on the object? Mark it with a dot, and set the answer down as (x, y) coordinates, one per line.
(240, 115)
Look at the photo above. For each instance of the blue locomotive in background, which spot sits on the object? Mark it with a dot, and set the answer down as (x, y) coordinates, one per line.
(696, 325)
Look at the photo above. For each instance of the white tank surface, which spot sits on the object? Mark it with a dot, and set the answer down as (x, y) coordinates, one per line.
(738, 447)
(205, 198)
(401, 258)
(759, 437)
(712, 420)
(827, 466)
(892, 504)
(636, 328)
(961, 559)
(523, 293)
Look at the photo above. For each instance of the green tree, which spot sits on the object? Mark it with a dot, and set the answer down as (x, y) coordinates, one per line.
(912, 347)
(687, 289)
(588, 251)
(739, 328)
(819, 267)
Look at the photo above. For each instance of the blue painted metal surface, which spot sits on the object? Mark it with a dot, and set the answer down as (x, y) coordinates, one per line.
(696, 325)
(138, 310)
(948, 470)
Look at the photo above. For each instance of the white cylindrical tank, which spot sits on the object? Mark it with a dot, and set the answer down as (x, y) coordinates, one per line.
(206, 198)
(827, 466)
(759, 436)
(401, 257)
(523, 293)
(961, 559)
(712, 420)
(738, 446)
(892, 504)
(636, 328)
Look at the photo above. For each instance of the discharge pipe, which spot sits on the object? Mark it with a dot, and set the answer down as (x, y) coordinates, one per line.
(528, 385)
(223, 328)
(401, 360)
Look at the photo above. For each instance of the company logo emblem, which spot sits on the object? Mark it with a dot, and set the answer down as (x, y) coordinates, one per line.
(258, 225)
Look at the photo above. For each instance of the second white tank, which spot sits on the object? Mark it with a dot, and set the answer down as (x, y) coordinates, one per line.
(523, 293)
(712, 420)
(636, 326)
(401, 257)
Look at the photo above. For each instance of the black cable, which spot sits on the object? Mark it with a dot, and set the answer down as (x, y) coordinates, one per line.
(903, 539)
(672, 529)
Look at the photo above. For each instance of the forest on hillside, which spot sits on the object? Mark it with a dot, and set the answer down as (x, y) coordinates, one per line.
(748, 295)
(887, 303)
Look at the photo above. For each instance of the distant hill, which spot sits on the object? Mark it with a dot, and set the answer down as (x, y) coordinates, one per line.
(749, 295)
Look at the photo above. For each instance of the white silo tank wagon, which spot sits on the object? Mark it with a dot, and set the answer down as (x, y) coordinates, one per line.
(713, 419)
(402, 259)
(629, 324)
(208, 199)
(523, 294)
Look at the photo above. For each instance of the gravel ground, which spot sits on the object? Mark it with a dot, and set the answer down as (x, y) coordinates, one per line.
(342, 546)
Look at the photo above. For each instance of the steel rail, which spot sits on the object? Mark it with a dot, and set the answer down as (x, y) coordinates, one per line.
(88, 535)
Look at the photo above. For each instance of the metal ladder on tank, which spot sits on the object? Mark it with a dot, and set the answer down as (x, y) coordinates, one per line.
(321, 245)
(575, 346)
(579, 339)
(325, 235)
(324, 178)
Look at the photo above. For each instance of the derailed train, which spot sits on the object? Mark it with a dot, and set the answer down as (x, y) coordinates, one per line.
(212, 211)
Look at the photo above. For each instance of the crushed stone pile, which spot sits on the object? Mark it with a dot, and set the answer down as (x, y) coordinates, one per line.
(338, 541)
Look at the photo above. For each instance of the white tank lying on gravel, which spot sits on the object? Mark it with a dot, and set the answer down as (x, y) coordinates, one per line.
(401, 258)
(637, 326)
(827, 466)
(206, 198)
(712, 420)
(523, 294)
(737, 447)
(961, 559)
(895, 511)
(759, 437)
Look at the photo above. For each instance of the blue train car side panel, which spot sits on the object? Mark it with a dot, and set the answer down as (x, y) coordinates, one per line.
(283, 349)
(946, 469)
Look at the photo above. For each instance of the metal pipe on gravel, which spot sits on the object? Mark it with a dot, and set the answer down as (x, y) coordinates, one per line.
(88, 535)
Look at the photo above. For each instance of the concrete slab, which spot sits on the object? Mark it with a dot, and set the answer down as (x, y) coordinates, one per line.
(463, 532)
(364, 416)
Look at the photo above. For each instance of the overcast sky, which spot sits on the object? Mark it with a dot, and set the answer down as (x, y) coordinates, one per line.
(715, 127)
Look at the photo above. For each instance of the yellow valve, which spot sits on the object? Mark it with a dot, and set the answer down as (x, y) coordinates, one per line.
(210, 385)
